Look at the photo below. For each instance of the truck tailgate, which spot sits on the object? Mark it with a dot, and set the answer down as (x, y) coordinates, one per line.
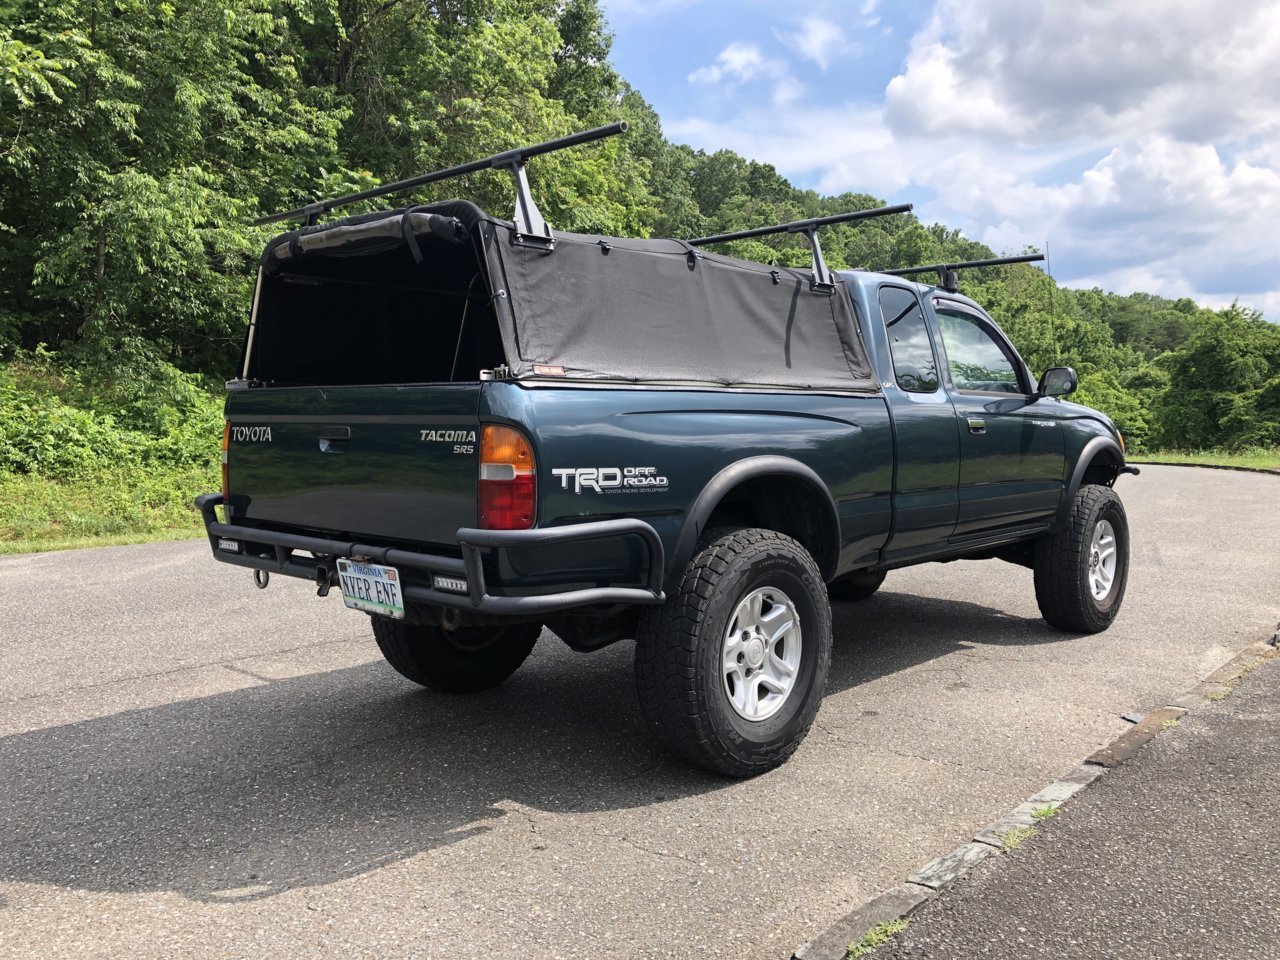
(384, 462)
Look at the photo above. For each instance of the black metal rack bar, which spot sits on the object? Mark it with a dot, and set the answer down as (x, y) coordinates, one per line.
(948, 278)
(993, 262)
(823, 280)
(804, 226)
(512, 160)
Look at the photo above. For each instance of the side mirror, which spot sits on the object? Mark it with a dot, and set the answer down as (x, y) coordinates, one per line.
(1057, 382)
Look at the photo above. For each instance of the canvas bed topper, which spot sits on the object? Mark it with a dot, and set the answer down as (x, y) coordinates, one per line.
(604, 308)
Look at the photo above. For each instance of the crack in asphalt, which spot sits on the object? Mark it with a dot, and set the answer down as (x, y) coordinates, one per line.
(653, 853)
(248, 673)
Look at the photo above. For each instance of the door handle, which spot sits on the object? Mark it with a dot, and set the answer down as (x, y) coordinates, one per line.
(333, 439)
(977, 426)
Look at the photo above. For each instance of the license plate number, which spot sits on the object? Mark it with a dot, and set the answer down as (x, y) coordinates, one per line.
(372, 588)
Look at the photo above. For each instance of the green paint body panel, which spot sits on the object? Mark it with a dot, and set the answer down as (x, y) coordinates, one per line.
(398, 465)
(382, 481)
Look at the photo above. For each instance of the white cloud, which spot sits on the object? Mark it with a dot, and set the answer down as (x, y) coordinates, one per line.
(818, 40)
(787, 90)
(1180, 103)
(1026, 71)
(1140, 141)
(848, 147)
(738, 63)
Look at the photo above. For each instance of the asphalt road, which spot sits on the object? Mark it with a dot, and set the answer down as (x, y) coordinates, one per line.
(190, 767)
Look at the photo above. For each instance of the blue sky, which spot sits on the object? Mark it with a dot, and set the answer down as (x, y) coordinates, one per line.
(1139, 141)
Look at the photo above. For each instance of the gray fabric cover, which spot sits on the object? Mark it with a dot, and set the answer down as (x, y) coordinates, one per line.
(624, 310)
(659, 310)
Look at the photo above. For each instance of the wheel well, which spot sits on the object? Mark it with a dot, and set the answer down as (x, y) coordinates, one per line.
(787, 505)
(1102, 470)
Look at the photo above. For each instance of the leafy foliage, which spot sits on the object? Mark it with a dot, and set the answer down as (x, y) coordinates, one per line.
(88, 457)
(1224, 385)
(139, 139)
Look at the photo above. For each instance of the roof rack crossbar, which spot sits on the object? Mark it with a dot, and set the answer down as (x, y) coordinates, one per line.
(801, 226)
(947, 272)
(529, 222)
(823, 280)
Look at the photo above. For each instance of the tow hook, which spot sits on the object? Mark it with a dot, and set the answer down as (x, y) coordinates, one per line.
(322, 581)
(261, 578)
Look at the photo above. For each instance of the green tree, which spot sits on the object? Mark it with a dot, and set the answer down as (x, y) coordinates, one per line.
(1224, 383)
(127, 184)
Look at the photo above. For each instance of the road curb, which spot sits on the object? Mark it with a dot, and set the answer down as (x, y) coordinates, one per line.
(932, 878)
(1206, 466)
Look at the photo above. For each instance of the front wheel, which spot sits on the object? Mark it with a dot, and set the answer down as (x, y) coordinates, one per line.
(1082, 568)
(465, 660)
(731, 669)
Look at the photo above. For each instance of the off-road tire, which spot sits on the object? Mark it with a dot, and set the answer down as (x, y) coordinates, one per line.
(465, 660)
(856, 586)
(679, 647)
(1061, 563)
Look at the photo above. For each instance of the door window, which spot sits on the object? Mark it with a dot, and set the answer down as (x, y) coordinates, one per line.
(976, 359)
(914, 366)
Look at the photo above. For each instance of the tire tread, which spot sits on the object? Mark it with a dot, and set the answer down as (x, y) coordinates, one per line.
(423, 654)
(669, 642)
(1061, 592)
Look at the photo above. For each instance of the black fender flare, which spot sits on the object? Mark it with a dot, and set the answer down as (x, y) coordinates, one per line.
(731, 476)
(1090, 453)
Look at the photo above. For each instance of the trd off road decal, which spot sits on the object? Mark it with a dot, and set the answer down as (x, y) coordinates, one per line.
(610, 479)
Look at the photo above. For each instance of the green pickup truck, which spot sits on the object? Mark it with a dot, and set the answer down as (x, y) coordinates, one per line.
(474, 428)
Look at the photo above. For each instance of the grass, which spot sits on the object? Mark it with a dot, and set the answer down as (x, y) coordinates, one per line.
(1218, 695)
(1266, 458)
(1170, 724)
(1013, 839)
(11, 547)
(109, 455)
(877, 936)
(1041, 814)
(38, 514)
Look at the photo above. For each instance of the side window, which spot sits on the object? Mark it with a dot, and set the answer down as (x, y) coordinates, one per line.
(914, 366)
(977, 360)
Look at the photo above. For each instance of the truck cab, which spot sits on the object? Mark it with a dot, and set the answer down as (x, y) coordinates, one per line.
(982, 452)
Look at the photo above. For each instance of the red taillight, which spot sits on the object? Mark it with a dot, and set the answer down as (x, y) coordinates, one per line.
(508, 484)
(226, 445)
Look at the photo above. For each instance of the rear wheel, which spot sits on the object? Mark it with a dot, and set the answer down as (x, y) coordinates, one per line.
(1082, 568)
(731, 669)
(455, 661)
(856, 586)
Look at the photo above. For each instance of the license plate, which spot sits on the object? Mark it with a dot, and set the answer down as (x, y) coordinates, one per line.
(371, 587)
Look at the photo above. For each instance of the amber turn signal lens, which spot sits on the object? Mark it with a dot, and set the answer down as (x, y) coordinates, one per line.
(508, 484)
(505, 445)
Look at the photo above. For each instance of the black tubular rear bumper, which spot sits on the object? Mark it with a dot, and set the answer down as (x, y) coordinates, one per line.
(275, 552)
